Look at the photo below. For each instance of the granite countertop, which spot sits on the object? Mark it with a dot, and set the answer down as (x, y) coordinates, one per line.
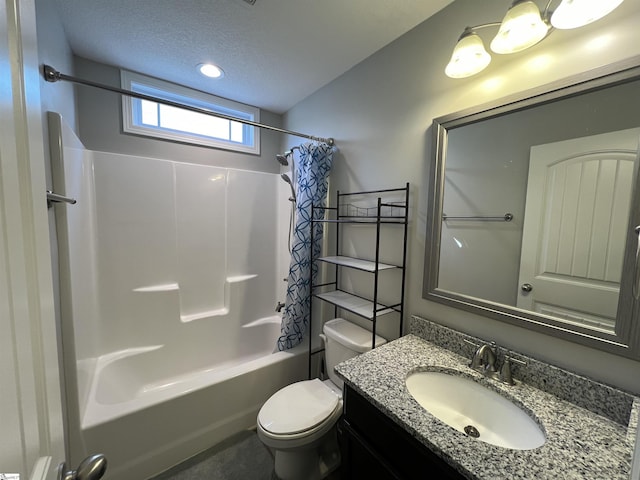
(580, 444)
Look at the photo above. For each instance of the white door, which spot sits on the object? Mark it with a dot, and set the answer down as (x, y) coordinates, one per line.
(31, 426)
(576, 213)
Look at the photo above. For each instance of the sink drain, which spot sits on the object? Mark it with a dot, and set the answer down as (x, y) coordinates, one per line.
(471, 431)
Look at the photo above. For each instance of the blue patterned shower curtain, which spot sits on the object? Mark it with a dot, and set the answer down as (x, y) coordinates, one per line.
(312, 167)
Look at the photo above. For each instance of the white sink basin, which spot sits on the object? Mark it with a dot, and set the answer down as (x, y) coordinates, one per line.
(473, 409)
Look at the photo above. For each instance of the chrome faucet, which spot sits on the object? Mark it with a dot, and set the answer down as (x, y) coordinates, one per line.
(484, 360)
(505, 371)
(279, 307)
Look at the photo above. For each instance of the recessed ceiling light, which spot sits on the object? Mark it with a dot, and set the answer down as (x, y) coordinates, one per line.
(210, 70)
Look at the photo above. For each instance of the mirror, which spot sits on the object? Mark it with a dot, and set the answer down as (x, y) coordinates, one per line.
(533, 206)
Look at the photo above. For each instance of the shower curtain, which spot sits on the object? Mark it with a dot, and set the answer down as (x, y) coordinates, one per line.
(312, 167)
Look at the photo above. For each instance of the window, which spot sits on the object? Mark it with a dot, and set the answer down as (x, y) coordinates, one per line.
(153, 119)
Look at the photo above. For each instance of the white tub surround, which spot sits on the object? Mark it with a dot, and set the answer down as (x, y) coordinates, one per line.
(170, 273)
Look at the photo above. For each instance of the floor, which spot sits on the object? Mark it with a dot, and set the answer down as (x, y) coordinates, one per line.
(241, 457)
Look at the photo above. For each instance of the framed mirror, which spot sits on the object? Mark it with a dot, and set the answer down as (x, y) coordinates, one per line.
(533, 206)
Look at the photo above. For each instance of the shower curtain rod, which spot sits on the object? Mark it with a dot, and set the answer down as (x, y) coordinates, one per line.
(52, 75)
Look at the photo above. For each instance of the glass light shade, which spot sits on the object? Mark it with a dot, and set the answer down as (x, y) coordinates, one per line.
(577, 13)
(521, 28)
(469, 57)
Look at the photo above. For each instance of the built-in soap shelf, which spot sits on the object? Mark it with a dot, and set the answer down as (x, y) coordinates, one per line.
(241, 278)
(167, 287)
(220, 312)
(216, 312)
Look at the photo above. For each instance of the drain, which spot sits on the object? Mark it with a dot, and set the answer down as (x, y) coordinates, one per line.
(471, 431)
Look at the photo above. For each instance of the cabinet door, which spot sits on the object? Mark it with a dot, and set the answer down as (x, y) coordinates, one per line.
(359, 460)
(395, 452)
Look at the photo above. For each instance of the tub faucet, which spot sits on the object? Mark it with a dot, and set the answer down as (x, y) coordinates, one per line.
(279, 306)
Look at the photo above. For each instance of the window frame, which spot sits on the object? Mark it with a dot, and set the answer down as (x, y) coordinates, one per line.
(179, 94)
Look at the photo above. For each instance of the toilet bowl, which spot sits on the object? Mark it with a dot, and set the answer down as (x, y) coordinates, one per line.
(298, 422)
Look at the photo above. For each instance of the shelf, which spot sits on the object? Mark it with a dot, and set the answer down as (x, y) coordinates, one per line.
(364, 220)
(357, 263)
(165, 287)
(220, 312)
(353, 303)
(379, 211)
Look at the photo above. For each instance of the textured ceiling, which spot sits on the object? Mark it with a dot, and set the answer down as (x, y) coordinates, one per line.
(274, 53)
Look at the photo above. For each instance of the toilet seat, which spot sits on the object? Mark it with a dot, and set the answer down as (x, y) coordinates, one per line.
(300, 410)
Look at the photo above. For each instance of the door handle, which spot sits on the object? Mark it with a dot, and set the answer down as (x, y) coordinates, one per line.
(636, 274)
(91, 468)
(526, 287)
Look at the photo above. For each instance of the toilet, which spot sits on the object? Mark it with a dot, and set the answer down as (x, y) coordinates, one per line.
(298, 422)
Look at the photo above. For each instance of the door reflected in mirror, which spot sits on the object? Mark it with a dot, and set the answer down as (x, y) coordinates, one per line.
(575, 219)
(532, 212)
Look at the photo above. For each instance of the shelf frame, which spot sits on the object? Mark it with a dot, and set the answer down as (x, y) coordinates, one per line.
(340, 298)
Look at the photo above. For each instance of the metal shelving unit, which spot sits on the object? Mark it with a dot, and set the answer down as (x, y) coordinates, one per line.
(379, 216)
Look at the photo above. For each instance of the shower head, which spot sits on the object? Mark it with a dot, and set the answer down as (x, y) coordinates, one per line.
(282, 158)
(286, 178)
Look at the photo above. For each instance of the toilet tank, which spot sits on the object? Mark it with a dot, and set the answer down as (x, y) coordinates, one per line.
(344, 340)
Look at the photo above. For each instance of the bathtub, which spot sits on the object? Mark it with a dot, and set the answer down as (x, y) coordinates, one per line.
(152, 407)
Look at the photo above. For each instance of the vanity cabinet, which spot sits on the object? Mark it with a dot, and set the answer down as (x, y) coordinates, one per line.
(384, 214)
(373, 446)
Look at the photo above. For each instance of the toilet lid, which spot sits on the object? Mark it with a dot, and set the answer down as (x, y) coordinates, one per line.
(298, 407)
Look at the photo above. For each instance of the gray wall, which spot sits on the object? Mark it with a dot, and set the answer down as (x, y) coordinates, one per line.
(100, 128)
(54, 50)
(380, 113)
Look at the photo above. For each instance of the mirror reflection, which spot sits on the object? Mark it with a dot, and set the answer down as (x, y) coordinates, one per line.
(533, 208)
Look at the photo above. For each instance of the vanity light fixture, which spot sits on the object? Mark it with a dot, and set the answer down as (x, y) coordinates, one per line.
(522, 27)
(210, 70)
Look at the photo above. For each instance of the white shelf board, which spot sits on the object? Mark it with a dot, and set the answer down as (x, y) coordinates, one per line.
(354, 304)
(366, 265)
